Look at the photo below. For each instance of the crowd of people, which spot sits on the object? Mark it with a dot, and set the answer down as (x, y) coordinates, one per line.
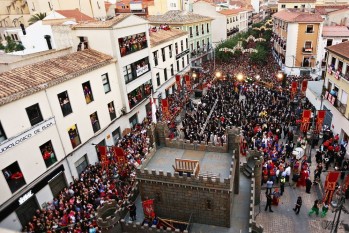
(74, 209)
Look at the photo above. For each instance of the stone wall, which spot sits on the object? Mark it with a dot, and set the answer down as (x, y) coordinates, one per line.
(136, 227)
(185, 144)
(208, 200)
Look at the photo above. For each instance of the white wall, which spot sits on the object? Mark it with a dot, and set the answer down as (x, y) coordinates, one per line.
(34, 40)
(291, 47)
(10, 224)
(44, 195)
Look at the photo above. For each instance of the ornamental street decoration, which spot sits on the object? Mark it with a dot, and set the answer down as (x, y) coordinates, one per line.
(238, 47)
(254, 39)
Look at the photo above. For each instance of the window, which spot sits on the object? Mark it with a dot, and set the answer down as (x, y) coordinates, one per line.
(133, 120)
(167, 93)
(186, 43)
(178, 65)
(176, 48)
(57, 184)
(183, 65)
(202, 29)
(163, 54)
(197, 30)
(74, 136)
(310, 29)
(65, 103)
(207, 28)
(3, 135)
(14, 177)
(191, 32)
(48, 154)
(329, 42)
(172, 72)
(155, 54)
(34, 114)
(170, 48)
(86, 87)
(111, 110)
(105, 81)
(344, 40)
(81, 164)
(158, 79)
(139, 94)
(295, 7)
(127, 70)
(165, 74)
(182, 48)
(283, 6)
(230, 20)
(303, 6)
(187, 59)
(116, 135)
(95, 122)
(191, 46)
(133, 43)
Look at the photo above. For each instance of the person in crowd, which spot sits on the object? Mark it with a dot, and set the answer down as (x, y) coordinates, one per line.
(269, 202)
(298, 206)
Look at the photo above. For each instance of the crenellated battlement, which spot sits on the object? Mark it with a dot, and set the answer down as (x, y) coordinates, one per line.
(136, 227)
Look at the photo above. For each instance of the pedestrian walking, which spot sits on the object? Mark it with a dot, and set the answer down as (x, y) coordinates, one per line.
(295, 179)
(132, 208)
(269, 186)
(282, 185)
(298, 206)
(315, 208)
(324, 210)
(308, 184)
(269, 202)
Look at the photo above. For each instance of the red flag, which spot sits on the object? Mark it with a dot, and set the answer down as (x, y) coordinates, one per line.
(305, 120)
(102, 150)
(148, 208)
(294, 86)
(330, 185)
(320, 119)
(119, 155)
(304, 85)
(187, 81)
(178, 81)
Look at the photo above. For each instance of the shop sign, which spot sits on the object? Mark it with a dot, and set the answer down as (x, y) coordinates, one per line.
(12, 142)
(182, 54)
(25, 197)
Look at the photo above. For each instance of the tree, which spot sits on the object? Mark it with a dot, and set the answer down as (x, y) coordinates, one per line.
(12, 45)
(36, 17)
(261, 56)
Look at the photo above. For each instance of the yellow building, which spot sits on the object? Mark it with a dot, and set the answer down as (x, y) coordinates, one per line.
(336, 88)
(160, 7)
(300, 4)
(296, 40)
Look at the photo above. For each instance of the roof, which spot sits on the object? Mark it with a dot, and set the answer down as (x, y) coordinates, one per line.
(162, 36)
(232, 11)
(341, 49)
(335, 31)
(297, 16)
(103, 24)
(296, 1)
(325, 9)
(177, 17)
(76, 14)
(30, 79)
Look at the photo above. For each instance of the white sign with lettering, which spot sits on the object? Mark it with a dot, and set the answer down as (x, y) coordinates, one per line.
(12, 142)
(142, 70)
(25, 197)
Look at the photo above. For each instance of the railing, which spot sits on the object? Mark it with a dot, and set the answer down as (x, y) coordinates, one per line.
(307, 50)
(187, 166)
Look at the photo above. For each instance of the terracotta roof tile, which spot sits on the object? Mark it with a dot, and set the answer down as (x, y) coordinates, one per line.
(335, 31)
(341, 49)
(177, 17)
(296, 1)
(232, 11)
(76, 14)
(162, 36)
(325, 9)
(103, 24)
(27, 80)
(297, 16)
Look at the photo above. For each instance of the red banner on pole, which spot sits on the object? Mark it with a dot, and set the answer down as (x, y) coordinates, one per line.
(320, 119)
(187, 81)
(103, 157)
(294, 87)
(102, 150)
(164, 105)
(330, 185)
(178, 82)
(305, 120)
(119, 155)
(304, 86)
(148, 208)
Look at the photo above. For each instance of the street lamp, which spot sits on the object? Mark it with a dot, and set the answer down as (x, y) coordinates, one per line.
(218, 74)
(257, 77)
(240, 77)
(279, 76)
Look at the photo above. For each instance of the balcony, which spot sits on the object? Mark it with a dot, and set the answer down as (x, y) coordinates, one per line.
(306, 64)
(307, 50)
